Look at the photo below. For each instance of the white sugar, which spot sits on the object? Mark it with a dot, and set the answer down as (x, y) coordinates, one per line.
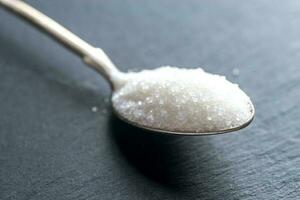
(94, 109)
(235, 72)
(185, 100)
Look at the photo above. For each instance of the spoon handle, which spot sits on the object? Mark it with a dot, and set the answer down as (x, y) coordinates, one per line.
(94, 57)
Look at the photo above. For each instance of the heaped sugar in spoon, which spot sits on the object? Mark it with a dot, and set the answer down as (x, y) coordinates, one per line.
(166, 99)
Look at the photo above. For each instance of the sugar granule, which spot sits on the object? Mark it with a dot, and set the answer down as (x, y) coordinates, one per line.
(235, 72)
(94, 109)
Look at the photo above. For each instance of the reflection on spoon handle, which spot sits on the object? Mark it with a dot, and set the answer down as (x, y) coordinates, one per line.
(96, 58)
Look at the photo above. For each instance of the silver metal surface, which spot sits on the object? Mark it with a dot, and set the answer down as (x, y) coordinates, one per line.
(94, 57)
(190, 132)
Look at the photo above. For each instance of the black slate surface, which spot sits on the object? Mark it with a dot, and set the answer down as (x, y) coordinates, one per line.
(52, 146)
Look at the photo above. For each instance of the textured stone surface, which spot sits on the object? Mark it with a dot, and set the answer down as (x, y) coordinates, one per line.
(52, 146)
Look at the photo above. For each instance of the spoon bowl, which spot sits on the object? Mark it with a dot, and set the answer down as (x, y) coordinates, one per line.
(187, 133)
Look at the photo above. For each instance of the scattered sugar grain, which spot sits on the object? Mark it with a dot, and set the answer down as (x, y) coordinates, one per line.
(106, 100)
(94, 109)
(235, 72)
(104, 111)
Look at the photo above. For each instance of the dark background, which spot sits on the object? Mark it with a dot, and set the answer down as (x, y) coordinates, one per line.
(52, 146)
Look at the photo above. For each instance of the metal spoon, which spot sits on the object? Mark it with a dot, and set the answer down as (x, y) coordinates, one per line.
(94, 57)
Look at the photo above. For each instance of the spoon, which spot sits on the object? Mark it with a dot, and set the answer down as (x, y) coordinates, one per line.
(99, 61)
